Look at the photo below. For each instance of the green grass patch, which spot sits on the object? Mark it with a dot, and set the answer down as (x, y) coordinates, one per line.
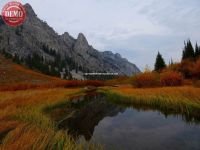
(189, 110)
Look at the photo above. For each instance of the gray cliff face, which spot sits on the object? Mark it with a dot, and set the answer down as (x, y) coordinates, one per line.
(68, 40)
(31, 37)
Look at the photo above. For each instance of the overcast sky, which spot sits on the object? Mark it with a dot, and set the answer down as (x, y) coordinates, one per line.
(137, 29)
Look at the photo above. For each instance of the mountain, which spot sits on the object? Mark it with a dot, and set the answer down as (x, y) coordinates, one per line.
(38, 46)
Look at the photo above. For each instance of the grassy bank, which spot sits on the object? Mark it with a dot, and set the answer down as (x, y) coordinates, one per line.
(169, 100)
(25, 125)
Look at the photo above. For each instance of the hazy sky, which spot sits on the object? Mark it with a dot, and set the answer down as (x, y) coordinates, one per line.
(137, 29)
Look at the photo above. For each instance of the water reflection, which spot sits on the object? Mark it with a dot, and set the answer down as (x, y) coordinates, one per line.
(88, 111)
(119, 126)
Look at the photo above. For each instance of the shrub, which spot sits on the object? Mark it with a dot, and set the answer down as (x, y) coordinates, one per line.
(196, 83)
(174, 67)
(186, 68)
(77, 83)
(66, 84)
(147, 79)
(196, 70)
(94, 83)
(190, 69)
(171, 78)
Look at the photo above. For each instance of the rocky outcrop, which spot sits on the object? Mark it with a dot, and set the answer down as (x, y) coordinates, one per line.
(36, 36)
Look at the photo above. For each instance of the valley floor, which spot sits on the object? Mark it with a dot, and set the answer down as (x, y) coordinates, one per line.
(26, 125)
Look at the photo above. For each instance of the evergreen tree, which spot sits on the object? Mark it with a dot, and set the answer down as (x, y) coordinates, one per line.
(16, 59)
(48, 50)
(160, 63)
(197, 51)
(184, 51)
(198, 54)
(188, 51)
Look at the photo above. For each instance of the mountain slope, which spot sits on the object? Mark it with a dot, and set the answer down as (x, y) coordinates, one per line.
(38, 46)
(11, 73)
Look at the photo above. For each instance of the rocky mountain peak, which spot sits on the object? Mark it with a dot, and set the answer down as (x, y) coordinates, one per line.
(29, 10)
(66, 34)
(118, 55)
(81, 46)
(82, 39)
(68, 39)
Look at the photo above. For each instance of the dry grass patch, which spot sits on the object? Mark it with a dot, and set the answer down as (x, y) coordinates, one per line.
(24, 124)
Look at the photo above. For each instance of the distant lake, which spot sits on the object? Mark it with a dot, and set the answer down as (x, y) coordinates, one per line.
(118, 127)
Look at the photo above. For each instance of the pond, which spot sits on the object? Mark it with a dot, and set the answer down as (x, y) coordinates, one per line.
(94, 118)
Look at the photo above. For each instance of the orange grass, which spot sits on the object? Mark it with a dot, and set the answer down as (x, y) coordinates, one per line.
(53, 84)
(181, 100)
(14, 77)
(189, 93)
(24, 125)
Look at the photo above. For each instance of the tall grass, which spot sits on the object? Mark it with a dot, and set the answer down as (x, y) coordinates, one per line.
(28, 136)
(179, 100)
(30, 127)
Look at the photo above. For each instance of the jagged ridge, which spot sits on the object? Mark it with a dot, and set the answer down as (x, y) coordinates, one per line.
(58, 52)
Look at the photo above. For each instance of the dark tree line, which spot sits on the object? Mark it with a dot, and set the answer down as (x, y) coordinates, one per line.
(189, 52)
(6, 54)
(35, 61)
(48, 50)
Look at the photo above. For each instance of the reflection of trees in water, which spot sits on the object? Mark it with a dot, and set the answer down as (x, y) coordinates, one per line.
(193, 117)
(89, 111)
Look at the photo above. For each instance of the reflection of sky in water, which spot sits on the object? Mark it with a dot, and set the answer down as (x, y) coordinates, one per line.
(117, 127)
(146, 130)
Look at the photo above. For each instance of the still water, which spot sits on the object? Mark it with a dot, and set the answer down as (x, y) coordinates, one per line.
(94, 118)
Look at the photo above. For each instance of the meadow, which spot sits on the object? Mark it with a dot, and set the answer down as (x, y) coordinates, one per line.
(27, 98)
(25, 125)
